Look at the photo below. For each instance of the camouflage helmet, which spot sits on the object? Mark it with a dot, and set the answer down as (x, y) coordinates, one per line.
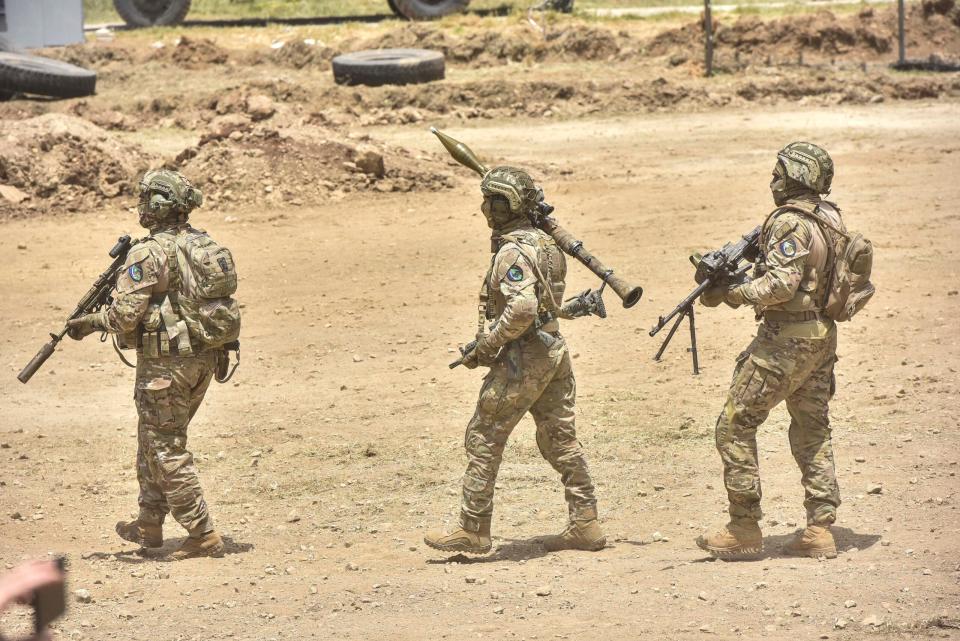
(177, 193)
(515, 185)
(808, 164)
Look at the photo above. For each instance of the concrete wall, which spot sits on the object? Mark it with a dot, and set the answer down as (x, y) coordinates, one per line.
(42, 23)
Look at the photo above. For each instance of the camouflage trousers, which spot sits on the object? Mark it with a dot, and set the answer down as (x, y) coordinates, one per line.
(168, 393)
(534, 377)
(778, 368)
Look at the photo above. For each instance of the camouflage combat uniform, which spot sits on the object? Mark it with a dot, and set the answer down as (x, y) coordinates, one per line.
(530, 369)
(171, 380)
(791, 359)
(533, 374)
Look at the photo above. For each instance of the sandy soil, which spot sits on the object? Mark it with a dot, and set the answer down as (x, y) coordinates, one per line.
(340, 440)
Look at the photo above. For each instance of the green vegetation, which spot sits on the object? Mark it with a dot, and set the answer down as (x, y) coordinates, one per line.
(103, 11)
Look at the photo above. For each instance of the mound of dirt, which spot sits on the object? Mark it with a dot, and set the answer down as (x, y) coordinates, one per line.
(946, 8)
(61, 161)
(414, 103)
(864, 36)
(92, 55)
(239, 160)
(102, 117)
(513, 43)
(498, 99)
(192, 54)
(500, 46)
(236, 99)
(299, 54)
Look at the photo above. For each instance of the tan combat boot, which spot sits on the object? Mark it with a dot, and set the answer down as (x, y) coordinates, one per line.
(209, 544)
(737, 540)
(148, 535)
(814, 541)
(578, 535)
(472, 537)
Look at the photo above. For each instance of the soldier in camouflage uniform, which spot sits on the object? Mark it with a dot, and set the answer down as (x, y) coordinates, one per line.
(791, 360)
(171, 376)
(530, 371)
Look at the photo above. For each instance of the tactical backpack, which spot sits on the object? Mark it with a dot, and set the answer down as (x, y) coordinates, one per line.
(850, 261)
(208, 280)
(849, 288)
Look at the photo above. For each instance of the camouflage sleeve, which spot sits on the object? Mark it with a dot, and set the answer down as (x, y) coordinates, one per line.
(135, 284)
(516, 281)
(785, 255)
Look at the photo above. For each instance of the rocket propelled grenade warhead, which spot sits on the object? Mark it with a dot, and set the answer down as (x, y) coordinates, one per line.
(460, 152)
(542, 220)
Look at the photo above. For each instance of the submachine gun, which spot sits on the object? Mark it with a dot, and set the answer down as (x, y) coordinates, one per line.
(724, 265)
(587, 302)
(99, 295)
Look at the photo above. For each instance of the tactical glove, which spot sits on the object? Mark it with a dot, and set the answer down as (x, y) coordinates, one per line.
(483, 354)
(713, 296)
(78, 328)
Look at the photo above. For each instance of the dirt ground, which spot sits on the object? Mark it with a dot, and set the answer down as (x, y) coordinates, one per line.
(339, 442)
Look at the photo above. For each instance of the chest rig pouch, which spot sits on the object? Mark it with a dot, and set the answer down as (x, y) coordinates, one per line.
(163, 331)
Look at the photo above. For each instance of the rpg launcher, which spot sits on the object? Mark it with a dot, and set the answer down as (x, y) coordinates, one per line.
(99, 295)
(541, 219)
(719, 267)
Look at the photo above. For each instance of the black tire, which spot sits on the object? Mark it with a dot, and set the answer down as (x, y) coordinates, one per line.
(375, 67)
(149, 13)
(428, 9)
(393, 8)
(22, 73)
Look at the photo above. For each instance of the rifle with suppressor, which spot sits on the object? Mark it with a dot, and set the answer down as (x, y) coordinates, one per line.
(99, 295)
(714, 268)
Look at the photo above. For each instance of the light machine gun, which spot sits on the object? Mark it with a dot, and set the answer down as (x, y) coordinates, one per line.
(99, 295)
(724, 265)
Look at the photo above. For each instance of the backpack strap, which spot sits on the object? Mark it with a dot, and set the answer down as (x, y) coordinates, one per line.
(775, 213)
(820, 218)
(170, 306)
(484, 299)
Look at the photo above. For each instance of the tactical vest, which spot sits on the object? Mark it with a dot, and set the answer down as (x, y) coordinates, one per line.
(195, 311)
(814, 283)
(550, 268)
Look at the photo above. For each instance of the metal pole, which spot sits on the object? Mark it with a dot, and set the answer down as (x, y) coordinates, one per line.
(900, 18)
(708, 33)
(693, 341)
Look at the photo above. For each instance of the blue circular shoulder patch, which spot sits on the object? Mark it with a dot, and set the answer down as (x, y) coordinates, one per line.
(135, 272)
(788, 248)
(514, 274)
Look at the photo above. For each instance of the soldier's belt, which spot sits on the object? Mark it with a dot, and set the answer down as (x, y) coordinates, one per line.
(778, 316)
(158, 345)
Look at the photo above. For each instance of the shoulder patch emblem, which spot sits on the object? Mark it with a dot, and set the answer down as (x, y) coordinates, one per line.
(788, 248)
(135, 272)
(514, 274)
